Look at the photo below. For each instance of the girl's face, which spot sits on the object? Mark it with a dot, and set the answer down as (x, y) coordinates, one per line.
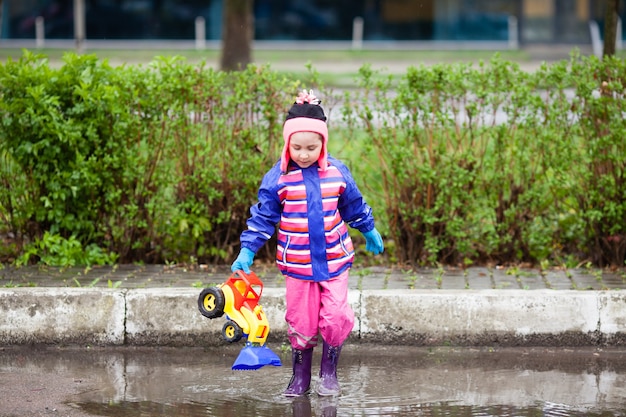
(305, 148)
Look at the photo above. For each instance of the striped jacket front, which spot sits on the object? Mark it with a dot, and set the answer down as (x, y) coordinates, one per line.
(311, 207)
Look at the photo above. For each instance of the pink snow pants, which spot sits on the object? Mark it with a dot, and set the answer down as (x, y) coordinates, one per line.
(318, 308)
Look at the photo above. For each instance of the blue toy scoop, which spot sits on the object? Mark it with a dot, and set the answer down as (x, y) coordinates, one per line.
(254, 357)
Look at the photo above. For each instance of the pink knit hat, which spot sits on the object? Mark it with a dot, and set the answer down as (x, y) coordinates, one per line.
(306, 115)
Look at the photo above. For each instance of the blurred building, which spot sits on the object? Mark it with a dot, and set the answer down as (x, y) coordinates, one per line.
(534, 21)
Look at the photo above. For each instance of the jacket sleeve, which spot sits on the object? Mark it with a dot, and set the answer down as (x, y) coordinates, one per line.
(352, 207)
(264, 215)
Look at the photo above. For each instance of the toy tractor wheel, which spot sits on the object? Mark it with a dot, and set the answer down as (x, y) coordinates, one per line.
(211, 302)
(232, 332)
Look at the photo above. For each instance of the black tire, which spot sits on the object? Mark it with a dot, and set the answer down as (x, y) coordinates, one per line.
(211, 302)
(232, 332)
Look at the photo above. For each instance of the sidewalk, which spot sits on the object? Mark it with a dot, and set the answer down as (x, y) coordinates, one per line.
(157, 305)
(370, 278)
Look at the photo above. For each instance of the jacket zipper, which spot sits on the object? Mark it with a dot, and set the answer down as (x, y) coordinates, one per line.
(343, 246)
(284, 258)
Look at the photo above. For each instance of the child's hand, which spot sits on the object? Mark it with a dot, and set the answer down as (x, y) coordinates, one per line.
(374, 242)
(243, 261)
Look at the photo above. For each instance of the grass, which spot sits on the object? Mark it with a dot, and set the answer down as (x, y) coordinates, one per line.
(335, 67)
(267, 56)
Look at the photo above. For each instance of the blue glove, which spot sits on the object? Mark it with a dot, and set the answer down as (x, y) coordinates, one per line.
(243, 261)
(374, 242)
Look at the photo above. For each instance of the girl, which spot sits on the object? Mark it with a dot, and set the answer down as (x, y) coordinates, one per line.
(311, 196)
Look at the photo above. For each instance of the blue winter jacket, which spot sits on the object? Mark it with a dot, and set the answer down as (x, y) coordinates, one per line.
(311, 208)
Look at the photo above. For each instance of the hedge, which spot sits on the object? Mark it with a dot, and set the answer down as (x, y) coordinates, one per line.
(464, 164)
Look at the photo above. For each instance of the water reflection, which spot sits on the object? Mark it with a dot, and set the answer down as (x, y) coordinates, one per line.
(303, 408)
(376, 381)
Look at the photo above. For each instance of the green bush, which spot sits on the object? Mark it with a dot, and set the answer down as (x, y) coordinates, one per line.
(601, 157)
(152, 164)
(462, 163)
(488, 163)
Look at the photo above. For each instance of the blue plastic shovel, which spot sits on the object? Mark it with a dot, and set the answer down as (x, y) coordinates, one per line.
(254, 357)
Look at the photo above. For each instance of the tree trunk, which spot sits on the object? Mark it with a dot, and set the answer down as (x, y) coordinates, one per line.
(237, 34)
(610, 27)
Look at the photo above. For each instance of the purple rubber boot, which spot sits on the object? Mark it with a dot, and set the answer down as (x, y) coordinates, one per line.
(329, 385)
(301, 378)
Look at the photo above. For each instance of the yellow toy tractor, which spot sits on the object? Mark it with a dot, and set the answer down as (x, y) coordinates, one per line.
(238, 298)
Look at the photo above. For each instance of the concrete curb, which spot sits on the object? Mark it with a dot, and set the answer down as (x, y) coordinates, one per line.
(170, 317)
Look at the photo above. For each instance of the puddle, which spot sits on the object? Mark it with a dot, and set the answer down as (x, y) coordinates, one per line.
(376, 381)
